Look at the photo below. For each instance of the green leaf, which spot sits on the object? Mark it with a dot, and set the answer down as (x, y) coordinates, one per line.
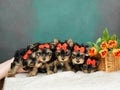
(105, 35)
(98, 40)
(114, 37)
(96, 46)
(118, 46)
(91, 44)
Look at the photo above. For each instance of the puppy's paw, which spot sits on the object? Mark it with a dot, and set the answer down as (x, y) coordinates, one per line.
(10, 74)
(74, 70)
(49, 72)
(30, 74)
(85, 71)
(93, 71)
(68, 69)
(55, 70)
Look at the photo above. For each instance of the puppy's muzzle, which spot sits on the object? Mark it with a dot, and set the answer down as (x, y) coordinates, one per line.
(63, 58)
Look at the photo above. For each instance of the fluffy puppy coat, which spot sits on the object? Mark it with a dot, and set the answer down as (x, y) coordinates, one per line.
(44, 59)
(63, 54)
(79, 56)
(91, 64)
(23, 58)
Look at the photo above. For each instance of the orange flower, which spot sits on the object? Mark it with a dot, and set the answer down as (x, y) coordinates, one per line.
(104, 45)
(112, 43)
(116, 52)
(92, 51)
(103, 53)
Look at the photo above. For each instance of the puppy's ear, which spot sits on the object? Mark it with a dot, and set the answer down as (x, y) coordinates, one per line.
(70, 42)
(52, 46)
(30, 46)
(55, 41)
(33, 55)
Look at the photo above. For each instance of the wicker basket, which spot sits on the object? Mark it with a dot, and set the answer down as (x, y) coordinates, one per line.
(101, 65)
(109, 63)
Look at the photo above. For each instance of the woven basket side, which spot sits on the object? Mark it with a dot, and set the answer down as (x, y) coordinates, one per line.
(117, 63)
(110, 63)
(101, 65)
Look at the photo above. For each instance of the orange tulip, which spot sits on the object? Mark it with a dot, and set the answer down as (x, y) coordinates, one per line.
(112, 43)
(92, 51)
(116, 52)
(103, 53)
(104, 45)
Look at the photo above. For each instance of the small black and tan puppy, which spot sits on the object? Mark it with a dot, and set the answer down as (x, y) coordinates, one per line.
(45, 57)
(78, 57)
(63, 54)
(91, 64)
(23, 58)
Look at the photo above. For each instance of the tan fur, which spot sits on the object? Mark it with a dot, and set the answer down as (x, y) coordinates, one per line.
(33, 72)
(81, 61)
(40, 63)
(85, 71)
(65, 65)
(48, 69)
(12, 72)
(35, 69)
(40, 58)
(76, 60)
(70, 42)
(55, 41)
(65, 60)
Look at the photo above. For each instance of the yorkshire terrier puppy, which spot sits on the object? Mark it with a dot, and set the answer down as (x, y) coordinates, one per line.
(23, 58)
(78, 57)
(63, 54)
(91, 64)
(44, 59)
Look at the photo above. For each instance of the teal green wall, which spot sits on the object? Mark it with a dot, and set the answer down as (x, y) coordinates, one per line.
(64, 19)
(23, 22)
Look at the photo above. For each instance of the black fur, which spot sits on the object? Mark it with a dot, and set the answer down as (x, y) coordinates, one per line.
(90, 68)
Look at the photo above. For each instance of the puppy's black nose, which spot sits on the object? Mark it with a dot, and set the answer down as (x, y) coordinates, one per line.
(63, 58)
(78, 61)
(43, 59)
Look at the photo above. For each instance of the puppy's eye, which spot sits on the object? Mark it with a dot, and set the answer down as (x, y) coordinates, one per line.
(38, 54)
(84, 66)
(73, 55)
(48, 53)
(57, 53)
(67, 53)
(82, 56)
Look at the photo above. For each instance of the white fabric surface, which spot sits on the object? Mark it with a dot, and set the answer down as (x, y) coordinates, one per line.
(65, 81)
